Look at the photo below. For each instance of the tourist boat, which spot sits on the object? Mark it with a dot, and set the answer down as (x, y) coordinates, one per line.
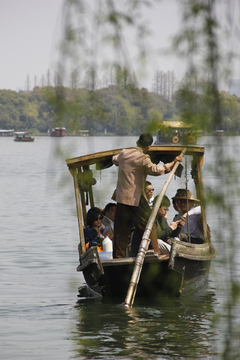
(6, 132)
(177, 132)
(162, 275)
(219, 132)
(22, 136)
(58, 132)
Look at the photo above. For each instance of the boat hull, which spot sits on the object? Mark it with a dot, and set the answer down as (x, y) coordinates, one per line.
(159, 278)
(24, 140)
(156, 280)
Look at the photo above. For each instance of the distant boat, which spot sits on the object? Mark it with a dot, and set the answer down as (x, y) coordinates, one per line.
(21, 136)
(58, 132)
(177, 132)
(6, 132)
(84, 132)
(79, 133)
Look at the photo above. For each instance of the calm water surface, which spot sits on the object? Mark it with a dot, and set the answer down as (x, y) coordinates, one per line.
(42, 313)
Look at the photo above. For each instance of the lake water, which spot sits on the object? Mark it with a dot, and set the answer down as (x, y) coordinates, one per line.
(42, 313)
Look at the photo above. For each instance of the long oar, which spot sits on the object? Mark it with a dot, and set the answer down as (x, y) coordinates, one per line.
(146, 240)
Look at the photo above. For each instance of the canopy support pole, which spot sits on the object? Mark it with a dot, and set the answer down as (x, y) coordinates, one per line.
(81, 247)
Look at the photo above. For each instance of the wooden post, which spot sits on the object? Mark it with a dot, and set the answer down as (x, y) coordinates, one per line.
(200, 194)
(83, 202)
(90, 192)
(145, 241)
(81, 247)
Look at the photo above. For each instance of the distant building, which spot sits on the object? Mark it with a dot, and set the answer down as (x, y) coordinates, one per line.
(234, 87)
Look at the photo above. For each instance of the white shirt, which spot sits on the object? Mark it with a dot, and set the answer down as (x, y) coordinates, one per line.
(150, 202)
(195, 223)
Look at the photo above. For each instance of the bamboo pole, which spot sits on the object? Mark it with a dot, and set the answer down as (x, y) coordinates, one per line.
(145, 240)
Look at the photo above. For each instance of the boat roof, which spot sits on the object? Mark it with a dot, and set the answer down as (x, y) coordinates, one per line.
(20, 132)
(177, 124)
(6, 131)
(155, 151)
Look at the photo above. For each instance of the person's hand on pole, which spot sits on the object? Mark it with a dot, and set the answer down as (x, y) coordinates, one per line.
(168, 166)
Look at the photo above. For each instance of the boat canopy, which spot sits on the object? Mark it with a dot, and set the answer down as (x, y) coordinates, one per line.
(103, 159)
(84, 180)
(20, 132)
(177, 124)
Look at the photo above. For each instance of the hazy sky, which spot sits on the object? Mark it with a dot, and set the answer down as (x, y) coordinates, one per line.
(30, 31)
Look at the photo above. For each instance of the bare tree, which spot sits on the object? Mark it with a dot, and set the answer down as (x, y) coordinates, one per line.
(164, 87)
(28, 85)
(168, 76)
(173, 84)
(106, 78)
(48, 76)
(74, 78)
(57, 79)
(43, 80)
(158, 82)
(90, 79)
(35, 81)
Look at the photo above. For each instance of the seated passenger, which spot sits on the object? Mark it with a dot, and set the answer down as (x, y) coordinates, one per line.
(165, 231)
(149, 193)
(177, 207)
(191, 210)
(109, 217)
(92, 232)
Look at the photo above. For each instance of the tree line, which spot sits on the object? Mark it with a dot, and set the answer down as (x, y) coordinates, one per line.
(119, 109)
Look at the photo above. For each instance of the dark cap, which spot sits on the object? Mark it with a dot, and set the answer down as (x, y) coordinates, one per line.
(145, 140)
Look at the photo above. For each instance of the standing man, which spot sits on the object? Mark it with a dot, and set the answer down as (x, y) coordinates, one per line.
(132, 207)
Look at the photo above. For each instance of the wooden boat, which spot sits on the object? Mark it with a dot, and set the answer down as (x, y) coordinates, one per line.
(160, 275)
(177, 132)
(58, 132)
(22, 136)
(6, 132)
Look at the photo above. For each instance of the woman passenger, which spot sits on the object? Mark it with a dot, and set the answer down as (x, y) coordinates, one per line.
(92, 233)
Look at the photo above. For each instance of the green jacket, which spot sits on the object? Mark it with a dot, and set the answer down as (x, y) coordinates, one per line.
(164, 231)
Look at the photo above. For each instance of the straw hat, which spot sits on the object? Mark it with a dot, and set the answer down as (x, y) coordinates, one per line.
(183, 194)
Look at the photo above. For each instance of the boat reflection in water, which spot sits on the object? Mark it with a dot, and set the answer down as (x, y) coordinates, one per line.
(175, 329)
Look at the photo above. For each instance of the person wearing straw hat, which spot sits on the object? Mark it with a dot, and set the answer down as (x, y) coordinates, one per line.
(189, 207)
